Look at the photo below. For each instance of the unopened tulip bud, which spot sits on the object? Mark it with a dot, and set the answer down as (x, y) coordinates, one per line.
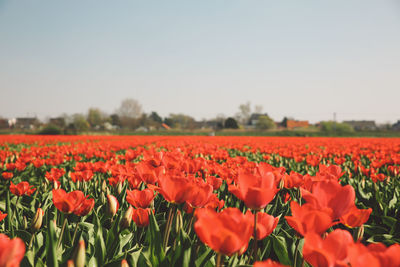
(179, 221)
(104, 186)
(80, 255)
(360, 233)
(112, 205)
(25, 222)
(70, 263)
(56, 185)
(37, 220)
(124, 263)
(119, 188)
(281, 184)
(126, 220)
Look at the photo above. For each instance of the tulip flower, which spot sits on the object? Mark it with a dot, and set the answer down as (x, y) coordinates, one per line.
(7, 175)
(255, 191)
(85, 207)
(307, 218)
(331, 195)
(140, 198)
(23, 188)
(331, 251)
(355, 217)
(12, 251)
(227, 232)
(67, 202)
(268, 263)
(141, 217)
(2, 216)
(265, 225)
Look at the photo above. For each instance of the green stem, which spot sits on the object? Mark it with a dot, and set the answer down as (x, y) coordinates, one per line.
(31, 241)
(75, 232)
(9, 215)
(219, 256)
(62, 232)
(255, 236)
(171, 214)
(296, 252)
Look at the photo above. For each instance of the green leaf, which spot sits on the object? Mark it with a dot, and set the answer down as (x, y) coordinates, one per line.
(203, 258)
(157, 253)
(279, 244)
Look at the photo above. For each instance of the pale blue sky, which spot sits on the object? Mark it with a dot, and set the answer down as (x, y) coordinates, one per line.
(305, 59)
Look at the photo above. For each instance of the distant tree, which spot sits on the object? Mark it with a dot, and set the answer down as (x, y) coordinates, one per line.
(155, 117)
(80, 123)
(265, 123)
(180, 121)
(244, 113)
(129, 112)
(130, 108)
(115, 120)
(95, 117)
(231, 123)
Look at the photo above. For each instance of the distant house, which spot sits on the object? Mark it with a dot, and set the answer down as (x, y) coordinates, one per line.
(396, 126)
(292, 124)
(27, 123)
(4, 124)
(362, 125)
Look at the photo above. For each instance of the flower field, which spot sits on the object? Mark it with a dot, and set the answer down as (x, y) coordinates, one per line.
(199, 201)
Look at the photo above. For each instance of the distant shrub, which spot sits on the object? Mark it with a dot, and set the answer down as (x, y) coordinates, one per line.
(231, 123)
(50, 129)
(331, 126)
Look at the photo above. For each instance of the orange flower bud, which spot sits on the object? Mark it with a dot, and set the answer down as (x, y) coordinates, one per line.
(112, 205)
(37, 220)
(126, 220)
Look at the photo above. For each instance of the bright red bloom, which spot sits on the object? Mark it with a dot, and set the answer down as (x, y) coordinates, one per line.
(388, 256)
(265, 224)
(54, 174)
(148, 173)
(173, 189)
(331, 251)
(141, 217)
(23, 188)
(85, 208)
(7, 175)
(293, 180)
(67, 202)
(140, 198)
(355, 217)
(331, 195)
(199, 193)
(227, 232)
(268, 263)
(2, 216)
(360, 256)
(255, 191)
(12, 251)
(307, 219)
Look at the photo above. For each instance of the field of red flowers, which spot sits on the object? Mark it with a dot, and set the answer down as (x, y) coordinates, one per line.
(199, 201)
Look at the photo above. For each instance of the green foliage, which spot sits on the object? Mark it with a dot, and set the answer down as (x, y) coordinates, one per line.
(50, 129)
(231, 123)
(331, 126)
(265, 123)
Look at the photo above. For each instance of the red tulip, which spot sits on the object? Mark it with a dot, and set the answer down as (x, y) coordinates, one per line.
(355, 217)
(7, 175)
(85, 208)
(140, 198)
(2, 216)
(268, 263)
(173, 189)
(255, 191)
(23, 188)
(331, 195)
(12, 251)
(307, 219)
(265, 225)
(331, 251)
(67, 202)
(227, 232)
(388, 256)
(141, 217)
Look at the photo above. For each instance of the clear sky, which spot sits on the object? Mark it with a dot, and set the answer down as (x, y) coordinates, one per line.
(305, 59)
